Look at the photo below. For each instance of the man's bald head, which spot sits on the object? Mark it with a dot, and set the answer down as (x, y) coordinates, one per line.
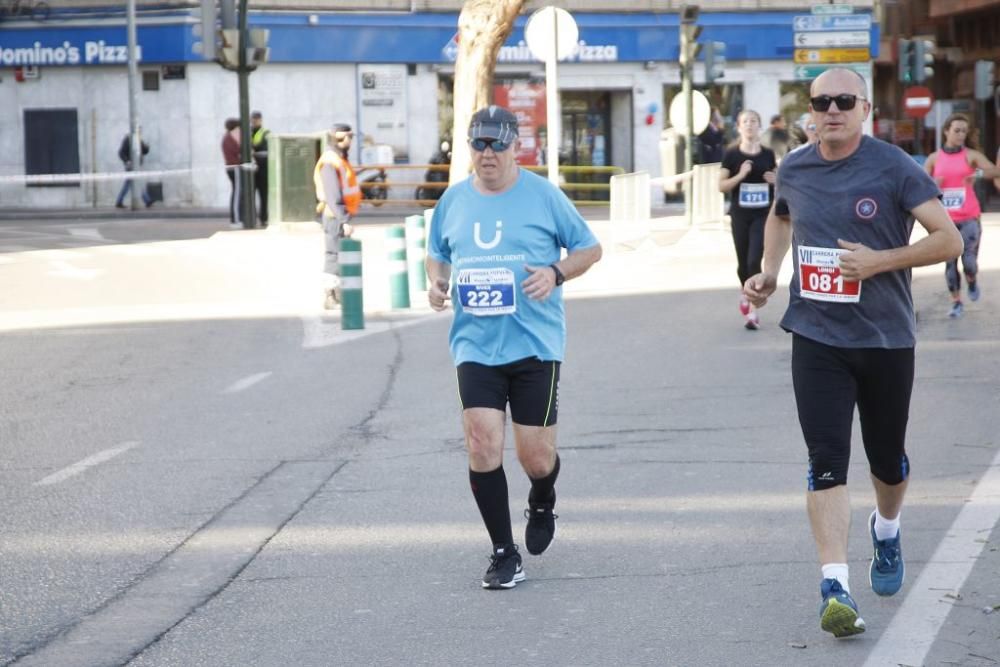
(842, 73)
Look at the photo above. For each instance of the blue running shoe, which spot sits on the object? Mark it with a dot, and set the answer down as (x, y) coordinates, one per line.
(974, 291)
(838, 614)
(956, 310)
(887, 570)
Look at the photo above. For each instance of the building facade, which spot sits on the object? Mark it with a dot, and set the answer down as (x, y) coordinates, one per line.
(65, 87)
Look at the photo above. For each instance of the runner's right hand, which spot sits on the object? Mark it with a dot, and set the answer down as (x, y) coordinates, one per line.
(437, 295)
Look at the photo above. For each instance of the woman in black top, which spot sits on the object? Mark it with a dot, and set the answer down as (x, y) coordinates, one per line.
(748, 171)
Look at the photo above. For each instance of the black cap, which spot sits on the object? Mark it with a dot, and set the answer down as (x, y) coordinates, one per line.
(342, 127)
(255, 114)
(493, 122)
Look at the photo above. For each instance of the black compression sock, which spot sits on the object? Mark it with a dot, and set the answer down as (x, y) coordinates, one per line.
(490, 492)
(543, 488)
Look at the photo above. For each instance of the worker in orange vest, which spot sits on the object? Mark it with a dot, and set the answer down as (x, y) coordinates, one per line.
(339, 198)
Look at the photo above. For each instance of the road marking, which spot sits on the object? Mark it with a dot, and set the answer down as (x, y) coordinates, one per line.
(81, 466)
(62, 269)
(91, 233)
(915, 626)
(246, 382)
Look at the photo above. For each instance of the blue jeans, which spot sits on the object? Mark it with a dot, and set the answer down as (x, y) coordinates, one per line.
(126, 186)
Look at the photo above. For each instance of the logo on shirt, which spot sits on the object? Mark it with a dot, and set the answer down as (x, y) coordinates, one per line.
(866, 208)
(497, 233)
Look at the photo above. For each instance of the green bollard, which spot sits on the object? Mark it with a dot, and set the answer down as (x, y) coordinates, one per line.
(399, 284)
(352, 301)
(416, 250)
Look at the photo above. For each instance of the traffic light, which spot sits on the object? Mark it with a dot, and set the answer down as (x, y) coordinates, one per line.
(258, 52)
(923, 60)
(985, 71)
(715, 61)
(905, 64)
(229, 51)
(690, 48)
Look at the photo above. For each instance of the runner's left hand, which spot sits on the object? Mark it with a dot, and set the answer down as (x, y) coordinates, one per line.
(860, 263)
(540, 282)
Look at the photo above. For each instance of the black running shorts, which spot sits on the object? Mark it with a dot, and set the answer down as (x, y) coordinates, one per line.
(530, 386)
(829, 382)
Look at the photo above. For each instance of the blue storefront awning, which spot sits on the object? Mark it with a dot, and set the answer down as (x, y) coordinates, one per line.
(392, 38)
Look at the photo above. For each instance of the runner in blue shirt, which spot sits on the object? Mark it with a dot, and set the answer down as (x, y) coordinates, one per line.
(495, 251)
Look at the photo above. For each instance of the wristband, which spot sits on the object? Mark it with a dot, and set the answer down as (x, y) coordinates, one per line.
(979, 173)
(560, 278)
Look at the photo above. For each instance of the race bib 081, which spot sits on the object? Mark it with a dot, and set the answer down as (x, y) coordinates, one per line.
(487, 291)
(820, 279)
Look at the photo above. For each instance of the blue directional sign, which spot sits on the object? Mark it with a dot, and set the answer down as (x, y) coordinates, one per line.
(813, 23)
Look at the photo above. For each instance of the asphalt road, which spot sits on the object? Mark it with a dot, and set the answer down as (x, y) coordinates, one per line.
(199, 467)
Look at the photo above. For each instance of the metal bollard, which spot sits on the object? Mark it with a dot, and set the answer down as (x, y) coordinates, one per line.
(416, 250)
(399, 284)
(352, 302)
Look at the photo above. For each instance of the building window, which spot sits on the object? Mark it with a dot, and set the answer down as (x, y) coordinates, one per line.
(51, 143)
(150, 79)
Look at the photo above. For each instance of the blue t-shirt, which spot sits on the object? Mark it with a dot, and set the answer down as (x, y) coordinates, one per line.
(487, 240)
(865, 198)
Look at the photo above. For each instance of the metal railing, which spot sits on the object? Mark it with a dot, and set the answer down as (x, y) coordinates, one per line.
(389, 185)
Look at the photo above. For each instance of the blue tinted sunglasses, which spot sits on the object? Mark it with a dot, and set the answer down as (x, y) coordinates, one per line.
(480, 145)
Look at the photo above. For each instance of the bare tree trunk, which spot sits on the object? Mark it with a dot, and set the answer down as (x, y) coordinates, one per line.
(483, 27)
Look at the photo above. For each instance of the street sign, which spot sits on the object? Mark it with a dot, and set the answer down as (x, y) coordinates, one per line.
(813, 23)
(699, 107)
(832, 9)
(810, 56)
(831, 38)
(810, 72)
(917, 101)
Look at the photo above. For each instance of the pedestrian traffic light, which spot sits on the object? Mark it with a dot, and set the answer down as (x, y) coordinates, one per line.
(905, 58)
(715, 61)
(985, 71)
(923, 60)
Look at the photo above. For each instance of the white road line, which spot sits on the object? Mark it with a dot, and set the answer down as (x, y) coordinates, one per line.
(61, 269)
(915, 626)
(89, 462)
(86, 233)
(246, 382)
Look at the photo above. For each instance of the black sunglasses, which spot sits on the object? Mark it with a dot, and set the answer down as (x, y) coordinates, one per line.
(498, 146)
(845, 101)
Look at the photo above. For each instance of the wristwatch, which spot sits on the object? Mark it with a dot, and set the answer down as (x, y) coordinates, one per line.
(560, 278)
(979, 172)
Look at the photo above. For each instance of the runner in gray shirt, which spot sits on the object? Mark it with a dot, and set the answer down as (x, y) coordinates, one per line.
(845, 207)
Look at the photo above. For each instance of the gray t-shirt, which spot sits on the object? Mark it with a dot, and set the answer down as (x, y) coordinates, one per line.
(865, 198)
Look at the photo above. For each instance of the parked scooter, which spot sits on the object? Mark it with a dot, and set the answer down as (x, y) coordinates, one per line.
(442, 157)
(368, 180)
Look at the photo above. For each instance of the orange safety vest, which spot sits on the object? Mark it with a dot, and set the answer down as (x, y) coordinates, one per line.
(349, 190)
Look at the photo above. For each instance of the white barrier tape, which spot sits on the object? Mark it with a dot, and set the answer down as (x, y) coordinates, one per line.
(42, 179)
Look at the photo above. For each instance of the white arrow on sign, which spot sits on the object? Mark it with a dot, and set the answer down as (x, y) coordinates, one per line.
(805, 40)
(917, 102)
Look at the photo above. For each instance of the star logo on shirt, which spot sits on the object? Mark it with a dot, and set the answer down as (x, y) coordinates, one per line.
(866, 208)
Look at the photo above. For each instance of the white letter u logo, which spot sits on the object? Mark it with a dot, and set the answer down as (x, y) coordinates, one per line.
(496, 237)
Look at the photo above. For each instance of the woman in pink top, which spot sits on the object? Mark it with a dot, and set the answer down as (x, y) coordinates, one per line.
(956, 168)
